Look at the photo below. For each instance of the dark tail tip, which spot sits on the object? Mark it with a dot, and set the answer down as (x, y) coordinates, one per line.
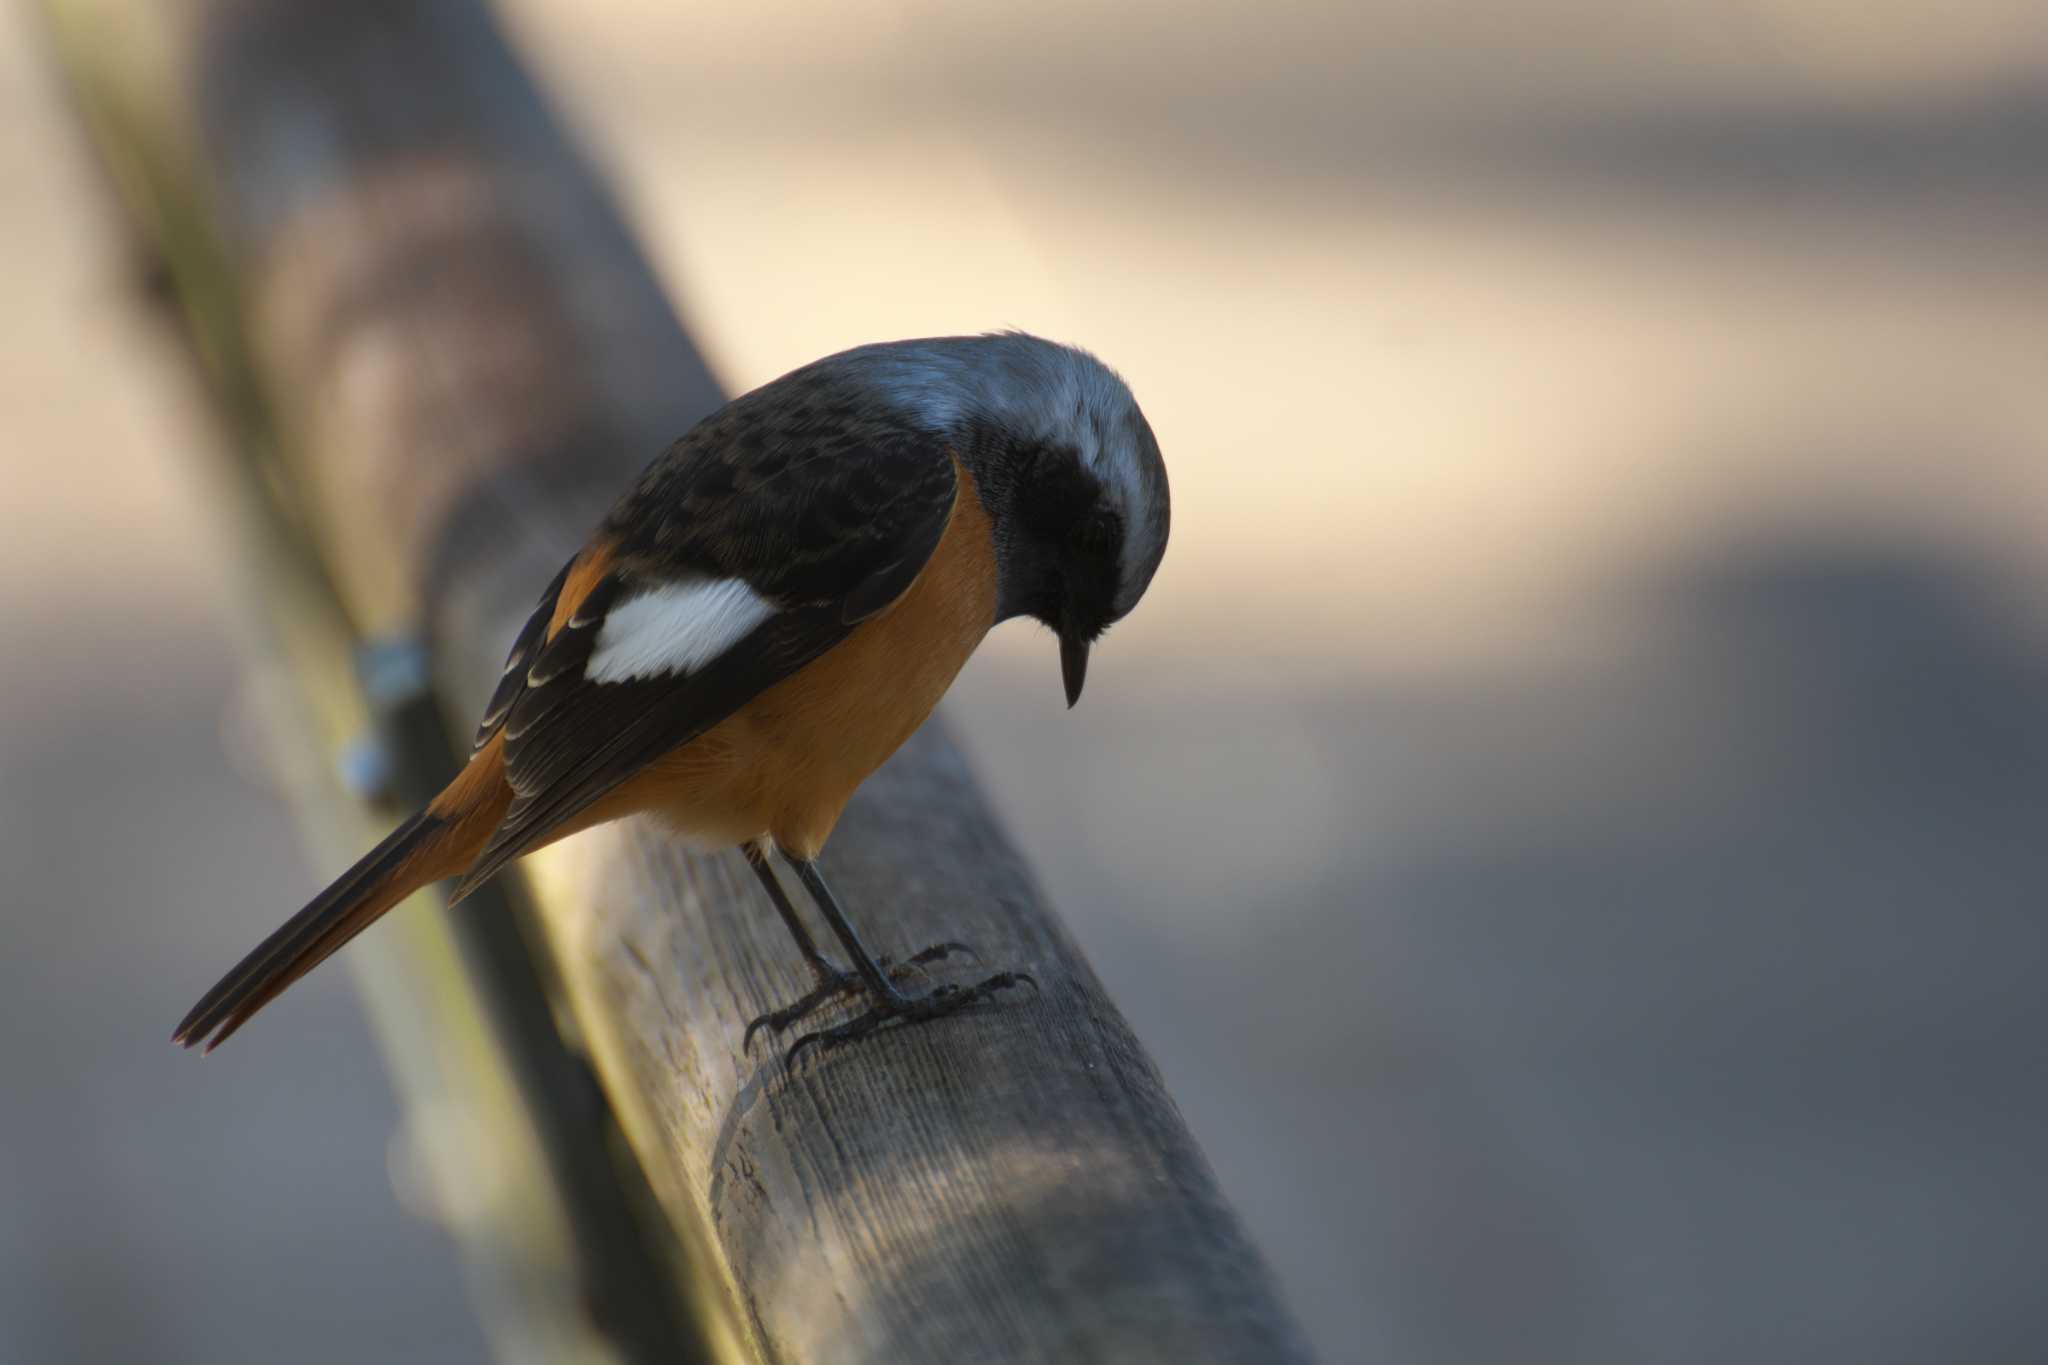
(307, 939)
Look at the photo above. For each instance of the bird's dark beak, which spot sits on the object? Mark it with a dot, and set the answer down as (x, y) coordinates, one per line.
(1073, 662)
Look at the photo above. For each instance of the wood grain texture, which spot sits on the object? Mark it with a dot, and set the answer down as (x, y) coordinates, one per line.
(466, 358)
(1013, 1183)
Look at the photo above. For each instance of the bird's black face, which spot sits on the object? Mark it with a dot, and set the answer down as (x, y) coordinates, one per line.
(1062, 553)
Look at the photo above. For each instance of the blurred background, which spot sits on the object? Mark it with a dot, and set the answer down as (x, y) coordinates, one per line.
(1568, 819)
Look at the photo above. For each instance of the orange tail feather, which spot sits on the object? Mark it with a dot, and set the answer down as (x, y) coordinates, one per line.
(437, 842)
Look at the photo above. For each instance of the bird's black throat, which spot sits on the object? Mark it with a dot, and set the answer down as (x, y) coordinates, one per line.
(1057, 538)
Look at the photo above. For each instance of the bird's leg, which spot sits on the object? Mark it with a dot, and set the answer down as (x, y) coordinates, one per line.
(757, 858)
(888, 1004)
(833, 981)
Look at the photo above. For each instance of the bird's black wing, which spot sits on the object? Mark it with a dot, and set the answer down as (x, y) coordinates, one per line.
(525, 649)
(770, 531)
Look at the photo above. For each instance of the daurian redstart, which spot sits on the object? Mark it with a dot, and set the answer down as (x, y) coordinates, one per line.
(773, 609)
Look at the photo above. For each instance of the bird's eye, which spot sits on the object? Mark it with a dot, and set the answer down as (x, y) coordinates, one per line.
(1096, 533)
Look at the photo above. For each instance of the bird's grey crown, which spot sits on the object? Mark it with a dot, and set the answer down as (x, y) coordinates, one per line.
(1038, 392)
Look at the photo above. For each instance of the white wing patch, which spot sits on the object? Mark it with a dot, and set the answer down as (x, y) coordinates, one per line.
(678, 628)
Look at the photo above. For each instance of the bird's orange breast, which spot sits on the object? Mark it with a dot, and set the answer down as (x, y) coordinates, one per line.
(788, 761)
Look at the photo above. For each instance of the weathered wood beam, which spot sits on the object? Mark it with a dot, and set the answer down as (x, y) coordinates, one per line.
(466, 357)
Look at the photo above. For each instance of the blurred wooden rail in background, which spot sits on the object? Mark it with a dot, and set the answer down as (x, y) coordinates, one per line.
(422, 310)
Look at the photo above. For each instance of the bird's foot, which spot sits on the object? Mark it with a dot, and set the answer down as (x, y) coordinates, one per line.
(909, 1010)
(835, 982)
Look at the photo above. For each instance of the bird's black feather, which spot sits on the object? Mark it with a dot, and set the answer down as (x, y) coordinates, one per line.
(825, 509)
(524, 650)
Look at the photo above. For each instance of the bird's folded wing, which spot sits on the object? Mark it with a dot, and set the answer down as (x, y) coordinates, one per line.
(734, 563)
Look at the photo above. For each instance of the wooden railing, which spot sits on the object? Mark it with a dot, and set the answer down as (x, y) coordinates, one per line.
(441, 354)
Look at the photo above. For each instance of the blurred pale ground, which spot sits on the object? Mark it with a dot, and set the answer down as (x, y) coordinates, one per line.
(1569, 818)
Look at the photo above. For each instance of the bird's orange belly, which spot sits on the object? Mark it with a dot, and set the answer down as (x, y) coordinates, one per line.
(787, 763)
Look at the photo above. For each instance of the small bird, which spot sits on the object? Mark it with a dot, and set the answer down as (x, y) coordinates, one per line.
(779, 602)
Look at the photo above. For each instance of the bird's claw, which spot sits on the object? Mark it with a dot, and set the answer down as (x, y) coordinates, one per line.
(834, 982)
(909, 1010)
